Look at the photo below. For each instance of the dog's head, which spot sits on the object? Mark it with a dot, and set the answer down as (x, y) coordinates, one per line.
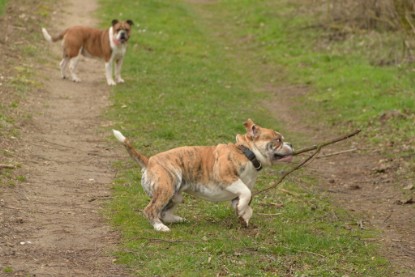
(121, 30)
(268, 145)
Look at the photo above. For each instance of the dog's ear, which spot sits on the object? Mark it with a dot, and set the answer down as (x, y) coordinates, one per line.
(251, 129)
(114, 21)
(130, 22)
(239, 138)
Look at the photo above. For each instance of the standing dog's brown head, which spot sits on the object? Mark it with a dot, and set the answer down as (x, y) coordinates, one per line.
(121, 30)
(268, 145)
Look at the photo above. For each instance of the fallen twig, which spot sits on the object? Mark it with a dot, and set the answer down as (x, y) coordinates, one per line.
(277, 214)
(308, 252)
(155, 240)
(7, 166)
(289, 192)
(317, 149)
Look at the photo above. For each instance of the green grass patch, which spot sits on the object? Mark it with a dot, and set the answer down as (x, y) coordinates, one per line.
(192, 74)
(8, 269)
(2, 6)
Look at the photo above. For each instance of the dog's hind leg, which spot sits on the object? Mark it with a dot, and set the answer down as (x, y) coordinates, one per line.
(72, 68)
(63, 65)
(168, 215)
(242, 204)
(162, 194)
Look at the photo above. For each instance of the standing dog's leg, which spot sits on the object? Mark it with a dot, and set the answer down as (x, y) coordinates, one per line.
(118, 65)
(108, 72)
(242, 206)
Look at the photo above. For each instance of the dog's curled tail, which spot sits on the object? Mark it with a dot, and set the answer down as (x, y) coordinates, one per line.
(52, 38)
(140, 159)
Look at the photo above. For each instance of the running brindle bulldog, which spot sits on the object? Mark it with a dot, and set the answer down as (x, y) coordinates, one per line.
(225, 172)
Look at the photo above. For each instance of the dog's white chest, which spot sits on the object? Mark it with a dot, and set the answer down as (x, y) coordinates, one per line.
(119, 51)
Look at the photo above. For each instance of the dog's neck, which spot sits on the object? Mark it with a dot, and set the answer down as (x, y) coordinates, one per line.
(250, 156)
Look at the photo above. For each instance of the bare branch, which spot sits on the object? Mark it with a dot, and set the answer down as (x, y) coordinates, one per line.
(337, 153)
(314, 147)
(317, 149)
(7, 166)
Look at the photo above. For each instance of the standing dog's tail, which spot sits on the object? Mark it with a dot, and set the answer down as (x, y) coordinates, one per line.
(52, 38)
(140, 159)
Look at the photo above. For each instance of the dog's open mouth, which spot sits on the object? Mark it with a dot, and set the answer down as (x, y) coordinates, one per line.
(283, 158)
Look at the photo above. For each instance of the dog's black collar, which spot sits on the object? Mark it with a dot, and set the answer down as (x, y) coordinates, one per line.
(251, 156)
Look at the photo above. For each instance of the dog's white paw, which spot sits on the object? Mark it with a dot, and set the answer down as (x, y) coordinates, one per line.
(246, 216)
(111, 82)
(120, 80)
(170, 218)
(161, 227)
(76, 79)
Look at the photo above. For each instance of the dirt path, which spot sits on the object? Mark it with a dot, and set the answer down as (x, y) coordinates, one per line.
(56, 225)
(363, 182)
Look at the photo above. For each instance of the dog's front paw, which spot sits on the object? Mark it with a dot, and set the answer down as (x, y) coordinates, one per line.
(120, 80)
(111, 82)
(246, 216)
(76, 79)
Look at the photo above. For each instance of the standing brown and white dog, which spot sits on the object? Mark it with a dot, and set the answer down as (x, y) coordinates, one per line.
(215, 173)
(109, 45)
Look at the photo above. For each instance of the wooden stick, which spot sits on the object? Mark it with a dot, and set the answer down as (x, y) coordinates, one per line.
(7, 166)
(275, 184)
(317, 149)
(314, 147)
(337, 153)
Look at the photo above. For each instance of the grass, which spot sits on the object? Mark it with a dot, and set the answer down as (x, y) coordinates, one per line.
(7, 269)
(194, 72)
(2, 6)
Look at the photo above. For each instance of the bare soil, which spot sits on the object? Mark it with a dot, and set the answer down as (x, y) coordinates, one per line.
(53, 223)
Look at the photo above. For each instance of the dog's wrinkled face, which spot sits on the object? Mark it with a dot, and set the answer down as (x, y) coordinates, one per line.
(268, 145)
(121, 30)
